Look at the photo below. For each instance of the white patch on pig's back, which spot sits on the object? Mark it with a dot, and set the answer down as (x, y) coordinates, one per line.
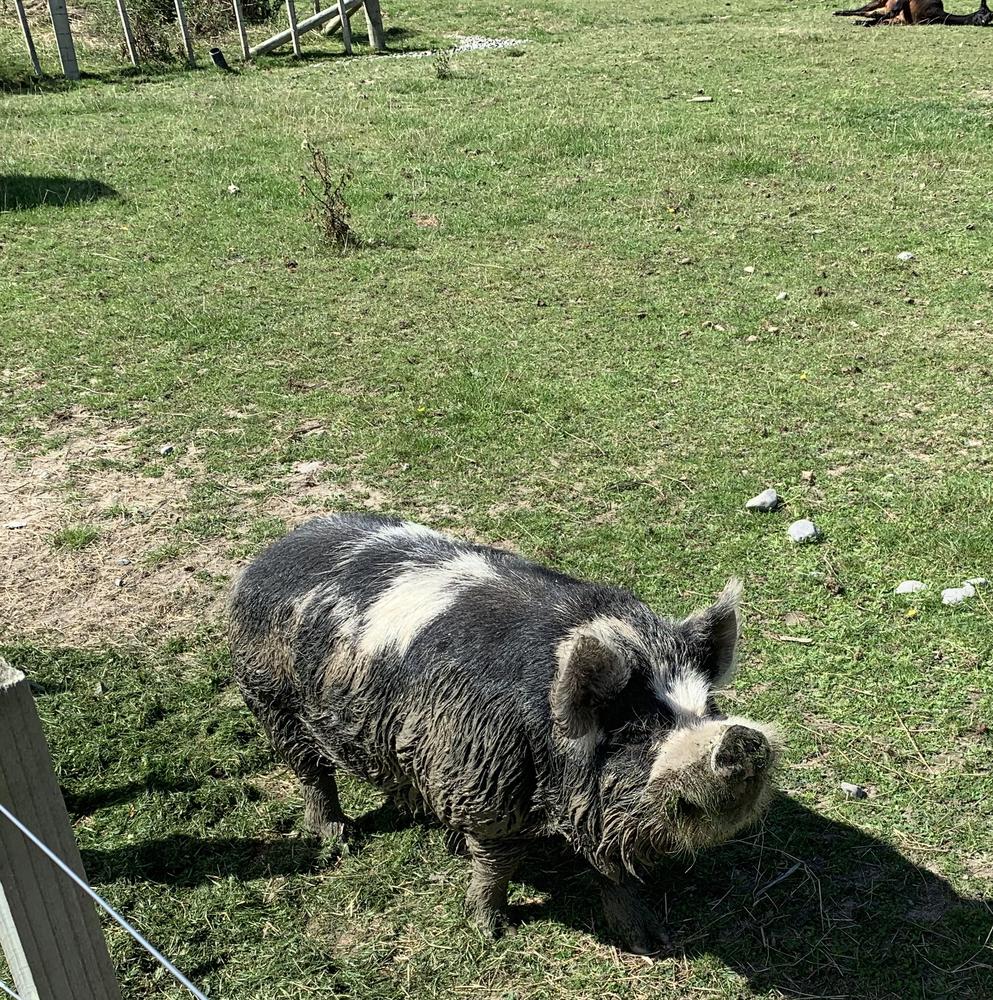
(416, 598)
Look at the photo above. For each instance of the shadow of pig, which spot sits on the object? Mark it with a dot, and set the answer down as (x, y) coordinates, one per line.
(806, 906)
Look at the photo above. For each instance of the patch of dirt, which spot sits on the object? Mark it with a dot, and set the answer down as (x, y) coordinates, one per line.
(143, 578)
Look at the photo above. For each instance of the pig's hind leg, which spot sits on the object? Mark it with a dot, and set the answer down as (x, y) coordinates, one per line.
(295, 744)
(322, 813)
(493, 865)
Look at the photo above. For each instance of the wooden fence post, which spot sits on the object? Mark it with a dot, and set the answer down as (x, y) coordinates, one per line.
(374, 21)
(239, 16)
(346, 27)
(28, 40)
(128, 36)
(49, 928)
(63, 38)
(184, 30)
(291, 13)
(329, 17)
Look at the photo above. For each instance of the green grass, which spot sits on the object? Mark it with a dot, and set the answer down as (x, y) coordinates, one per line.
(541, 367)
(75, 536)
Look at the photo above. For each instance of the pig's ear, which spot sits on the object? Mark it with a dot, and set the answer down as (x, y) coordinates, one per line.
(592, 672)
(712, 635)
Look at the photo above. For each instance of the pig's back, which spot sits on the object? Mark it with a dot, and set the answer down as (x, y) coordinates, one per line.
(423, 661)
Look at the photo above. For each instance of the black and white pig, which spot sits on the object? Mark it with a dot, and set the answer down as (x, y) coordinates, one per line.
(508, 700)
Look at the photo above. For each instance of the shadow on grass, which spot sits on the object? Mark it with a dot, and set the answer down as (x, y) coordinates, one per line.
(22, 191)
(185, 860)
(808, 907)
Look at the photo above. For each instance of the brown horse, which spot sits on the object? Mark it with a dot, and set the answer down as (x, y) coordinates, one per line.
(893, 12)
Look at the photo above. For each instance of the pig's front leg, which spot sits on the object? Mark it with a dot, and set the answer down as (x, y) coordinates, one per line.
(493, 865)
(630, 920)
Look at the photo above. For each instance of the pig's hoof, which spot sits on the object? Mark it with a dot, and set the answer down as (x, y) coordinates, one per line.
(634, 926)
(650, 939)
(492, 923)
(328, 832)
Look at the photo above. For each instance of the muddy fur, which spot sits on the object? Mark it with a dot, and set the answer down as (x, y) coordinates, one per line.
(504, 698)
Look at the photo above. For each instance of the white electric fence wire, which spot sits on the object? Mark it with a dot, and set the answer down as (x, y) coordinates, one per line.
(8, 990)
(102, 903)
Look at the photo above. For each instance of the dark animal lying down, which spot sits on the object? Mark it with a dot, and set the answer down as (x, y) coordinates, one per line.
(894, 12)
(506, 699)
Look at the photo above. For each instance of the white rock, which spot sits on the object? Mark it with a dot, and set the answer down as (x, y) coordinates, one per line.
(978, 581)
(968, 589)
(233, 189)
(803, 530)
(766, 501)
(954, 595)
(14, 525)
(910, 587)
(854, 791)
(905, 255)
(749, 269)
(782, 296)
(167, 449)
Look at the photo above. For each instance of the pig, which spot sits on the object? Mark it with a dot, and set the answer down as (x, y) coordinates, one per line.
(507, 700)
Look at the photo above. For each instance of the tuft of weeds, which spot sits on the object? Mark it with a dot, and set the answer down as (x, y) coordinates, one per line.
(328, 209)
(75, 537)
(444, 66)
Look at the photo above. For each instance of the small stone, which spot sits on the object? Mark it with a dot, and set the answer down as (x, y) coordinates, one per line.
(98, 688)
(910, 587)
(14, 525)
(701, 99)
(749, 270)
(854, 791)
(978, 581)
(167, 449)
(905, 255)
(968, 589)
(234, 189)
(686, 260)
(123, 562)
(782, 296)
(955, 595)
(808, 477)
(751, 339)
(765, 502)
(803, 531)
(119, 582)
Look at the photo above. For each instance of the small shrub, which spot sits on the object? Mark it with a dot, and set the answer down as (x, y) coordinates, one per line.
(444, 68)
(329, 210)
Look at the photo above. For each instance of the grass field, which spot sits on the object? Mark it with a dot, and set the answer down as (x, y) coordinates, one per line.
(563, 331)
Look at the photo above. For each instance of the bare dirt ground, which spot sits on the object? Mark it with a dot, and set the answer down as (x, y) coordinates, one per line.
(142, 577)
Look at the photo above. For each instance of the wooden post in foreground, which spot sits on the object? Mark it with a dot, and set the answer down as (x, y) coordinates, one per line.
(239, 16)
(374, 21)
(128, 36)
(291, 13)
(184, 30)
(63, 38)
(346, 27)
(28, 40)
(49, 928)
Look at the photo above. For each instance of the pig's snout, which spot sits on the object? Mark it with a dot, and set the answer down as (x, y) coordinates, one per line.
(742, 753)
